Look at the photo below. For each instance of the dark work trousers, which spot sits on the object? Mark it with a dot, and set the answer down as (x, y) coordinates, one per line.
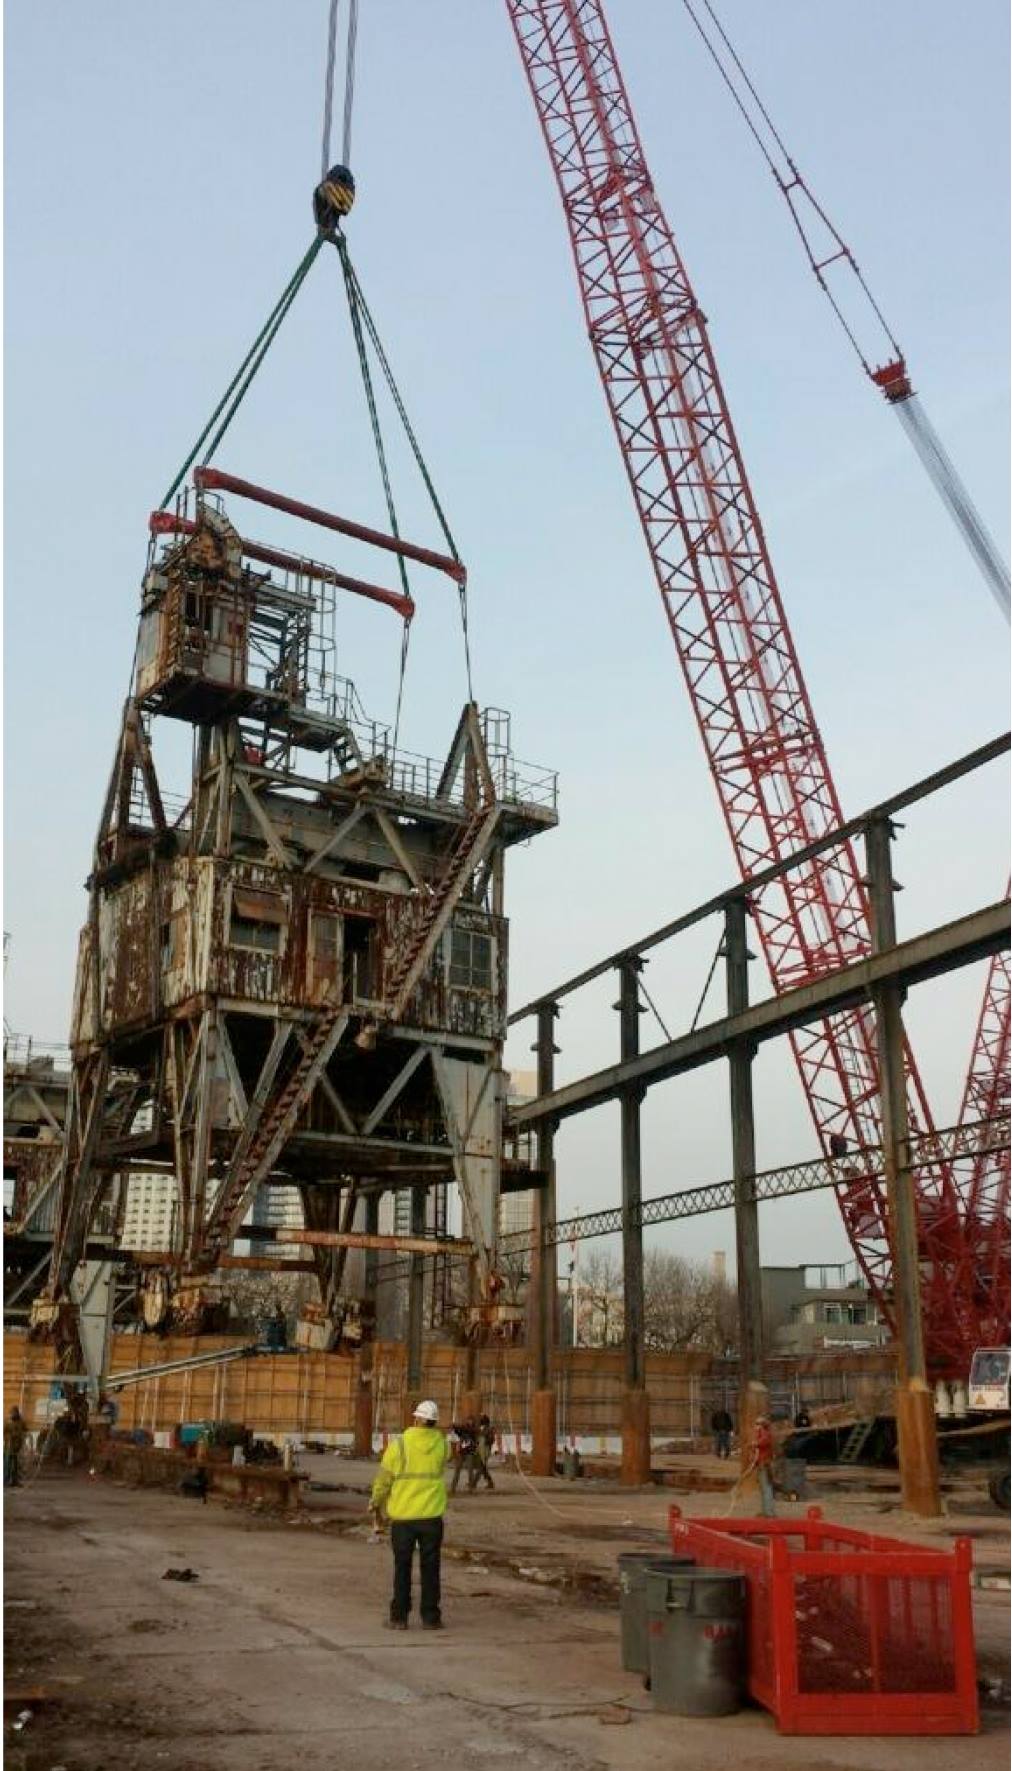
(466, 1460)
(404, 1535)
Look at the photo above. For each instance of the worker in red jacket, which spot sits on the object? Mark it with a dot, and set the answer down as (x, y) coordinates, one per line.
(761, 1461)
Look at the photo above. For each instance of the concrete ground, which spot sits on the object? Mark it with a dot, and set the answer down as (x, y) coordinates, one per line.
(276, 1654)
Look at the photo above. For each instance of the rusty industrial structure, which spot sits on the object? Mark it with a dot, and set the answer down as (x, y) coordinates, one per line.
(298, 976)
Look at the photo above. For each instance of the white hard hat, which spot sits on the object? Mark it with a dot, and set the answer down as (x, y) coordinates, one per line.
(427, 1411)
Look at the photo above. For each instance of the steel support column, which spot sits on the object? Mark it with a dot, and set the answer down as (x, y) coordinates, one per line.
(753, 1397)
(416, 1299)
(544, 1263)
(915, 1417)
(363, 1423)
(636, 1403)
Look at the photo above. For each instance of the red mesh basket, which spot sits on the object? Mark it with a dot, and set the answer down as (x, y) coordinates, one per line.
(848, 1633)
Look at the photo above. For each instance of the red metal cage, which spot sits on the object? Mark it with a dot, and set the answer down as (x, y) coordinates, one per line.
(848, 1633)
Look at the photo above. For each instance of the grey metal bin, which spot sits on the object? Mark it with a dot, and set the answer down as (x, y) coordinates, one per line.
(632, 1580)
(696, 1640)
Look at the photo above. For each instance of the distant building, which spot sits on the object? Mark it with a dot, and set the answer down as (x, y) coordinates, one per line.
(278, 1208)
(151, 1212)
(811, 1309)
(516, 1213)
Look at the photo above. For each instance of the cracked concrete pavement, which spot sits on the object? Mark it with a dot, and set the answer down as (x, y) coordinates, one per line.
(276, 1653)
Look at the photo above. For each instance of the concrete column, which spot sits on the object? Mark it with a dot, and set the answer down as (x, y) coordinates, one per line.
(635, 1402)
(544, 1261)
(753, 1397)
(915, 1416)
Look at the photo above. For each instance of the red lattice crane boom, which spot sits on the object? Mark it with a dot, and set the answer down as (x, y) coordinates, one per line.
(986, 1200)
(724, 609)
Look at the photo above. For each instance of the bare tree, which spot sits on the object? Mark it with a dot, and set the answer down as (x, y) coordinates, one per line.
(600, 1314)
(686, 1305)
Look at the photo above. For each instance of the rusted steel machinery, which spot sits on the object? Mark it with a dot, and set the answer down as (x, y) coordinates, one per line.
(299, 976)
(724, 608)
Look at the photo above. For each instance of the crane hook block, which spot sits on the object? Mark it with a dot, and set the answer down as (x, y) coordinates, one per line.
(333, 199)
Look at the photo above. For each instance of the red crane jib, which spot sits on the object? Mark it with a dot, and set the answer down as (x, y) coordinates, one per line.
(724, 609)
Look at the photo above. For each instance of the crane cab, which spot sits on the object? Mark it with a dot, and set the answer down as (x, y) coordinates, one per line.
(989, 1380)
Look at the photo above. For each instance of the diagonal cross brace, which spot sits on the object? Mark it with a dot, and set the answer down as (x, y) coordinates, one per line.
(279, 1112)
(448, 891)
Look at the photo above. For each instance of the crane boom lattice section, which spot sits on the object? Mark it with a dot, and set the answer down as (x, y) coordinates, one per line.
(986, 1204)
(720, 596)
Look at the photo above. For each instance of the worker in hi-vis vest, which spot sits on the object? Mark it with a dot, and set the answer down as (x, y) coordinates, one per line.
(411, 1491)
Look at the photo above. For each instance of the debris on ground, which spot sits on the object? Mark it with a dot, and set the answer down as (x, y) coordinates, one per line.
(180, 1574)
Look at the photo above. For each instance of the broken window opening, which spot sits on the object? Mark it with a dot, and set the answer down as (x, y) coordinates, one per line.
(359, 958)
(256, 921)
(470, 960)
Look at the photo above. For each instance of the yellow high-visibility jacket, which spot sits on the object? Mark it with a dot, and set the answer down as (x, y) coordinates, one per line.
(410, 1482)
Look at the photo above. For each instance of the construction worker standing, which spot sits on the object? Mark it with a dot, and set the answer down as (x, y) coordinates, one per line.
(14, 1439)
(484, 1447)
(411, 1491)
(466, 1435)
(761, 1456)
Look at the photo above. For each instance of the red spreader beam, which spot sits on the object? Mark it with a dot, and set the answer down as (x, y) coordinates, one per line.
(163, 522)
(214, 479)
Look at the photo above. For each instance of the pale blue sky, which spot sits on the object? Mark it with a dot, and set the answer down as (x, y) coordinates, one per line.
(160, 161)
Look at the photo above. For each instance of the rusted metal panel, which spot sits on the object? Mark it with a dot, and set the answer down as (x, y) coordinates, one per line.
(82, 1018)
(30, 1161)
(125, 924)
(187, 893)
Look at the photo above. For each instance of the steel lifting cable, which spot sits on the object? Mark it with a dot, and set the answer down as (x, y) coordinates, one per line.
(328, 88)
(361, 316)
(377, 432)
(349, 80)
(349, 84)
(788, 184)
(240, 382)
(395, 394)
(892, 378)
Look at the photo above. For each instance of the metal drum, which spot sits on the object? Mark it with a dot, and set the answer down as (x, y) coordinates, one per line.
(632, 1580)
(696, 1640)
(790, 1476)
